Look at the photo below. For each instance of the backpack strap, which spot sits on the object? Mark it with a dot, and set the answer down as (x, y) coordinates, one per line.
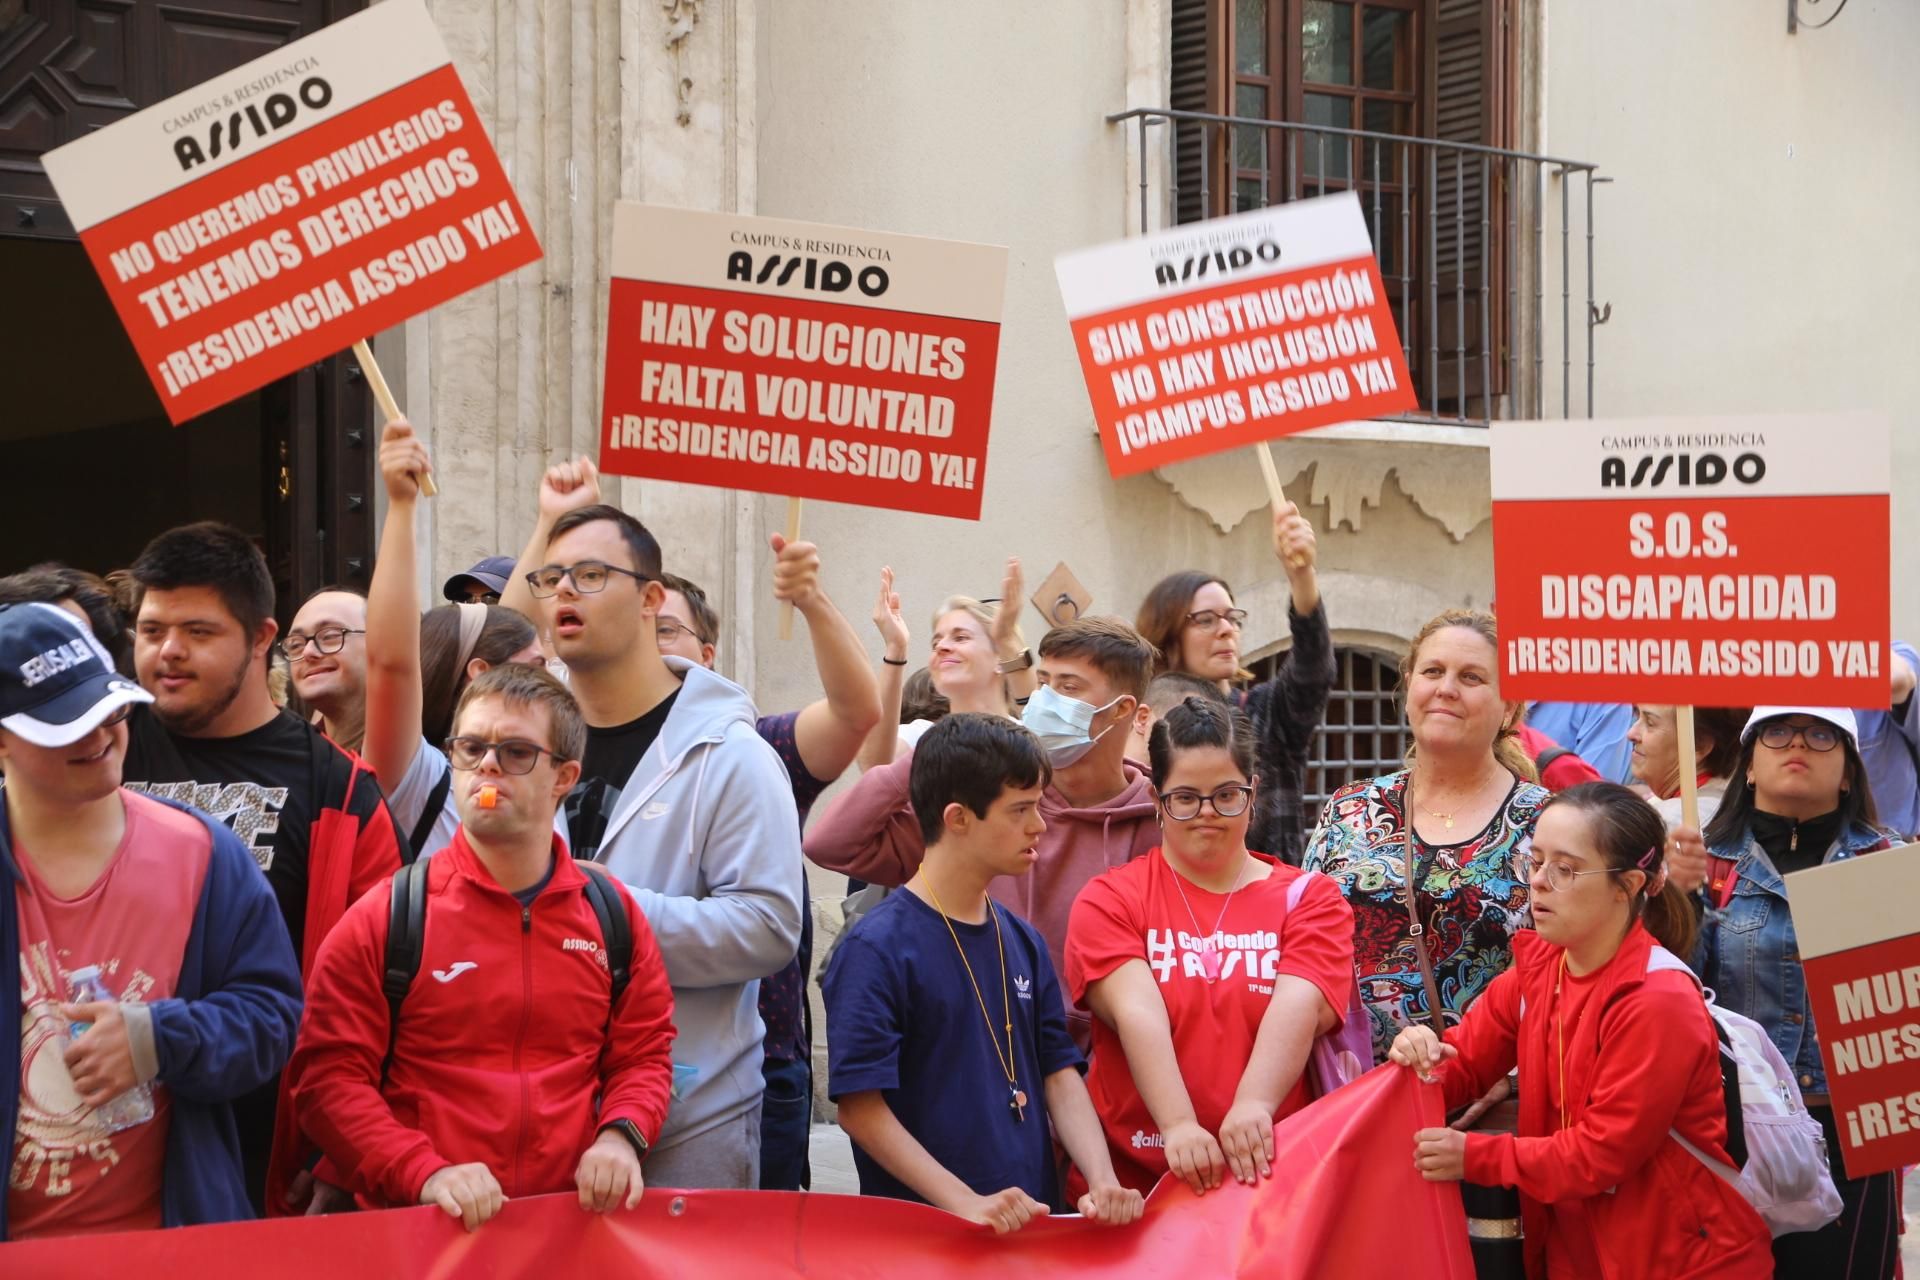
(616, 931)
(406, 945)
(1662, 960)
(1548, 757)
(430, 814)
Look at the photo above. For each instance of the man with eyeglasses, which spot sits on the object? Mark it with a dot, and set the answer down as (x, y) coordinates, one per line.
(681, 799)
(327, 661)
(816, 744)
(167, 907)
(517, 1062)
(310, 811)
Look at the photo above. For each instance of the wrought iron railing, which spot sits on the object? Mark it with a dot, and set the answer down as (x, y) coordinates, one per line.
(1461, 231)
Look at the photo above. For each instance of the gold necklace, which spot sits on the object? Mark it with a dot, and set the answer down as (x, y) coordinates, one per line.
(1444, 817)
(1016, 1098)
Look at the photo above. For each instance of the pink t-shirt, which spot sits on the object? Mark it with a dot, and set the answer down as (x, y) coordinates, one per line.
(69, 1175)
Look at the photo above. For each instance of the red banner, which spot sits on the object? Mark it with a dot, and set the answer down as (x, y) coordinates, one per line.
(1720, 562)
(1233, 331)
(1339, 1165)
(1854, 924)
(282, 212)
(817, 362)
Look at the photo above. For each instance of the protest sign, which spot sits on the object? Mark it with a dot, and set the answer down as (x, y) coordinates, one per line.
(812, 361)
(1859, 940)
(1233, 331)
(1723, 562)
(279, 213)
(1350, 1148)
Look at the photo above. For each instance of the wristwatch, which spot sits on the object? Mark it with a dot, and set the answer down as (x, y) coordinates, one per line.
(631, 1132)
(1021, 663)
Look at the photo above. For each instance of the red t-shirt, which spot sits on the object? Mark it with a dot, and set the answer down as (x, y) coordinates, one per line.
(69, 1175)
(1136, 912)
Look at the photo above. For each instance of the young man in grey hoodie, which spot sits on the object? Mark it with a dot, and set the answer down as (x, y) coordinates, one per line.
(1099, 808)
(684, 802)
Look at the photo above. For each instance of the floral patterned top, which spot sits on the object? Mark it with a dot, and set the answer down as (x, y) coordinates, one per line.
(1473, 899)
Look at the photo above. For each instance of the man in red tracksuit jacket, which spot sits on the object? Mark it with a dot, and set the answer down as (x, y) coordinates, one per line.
(509, 1073)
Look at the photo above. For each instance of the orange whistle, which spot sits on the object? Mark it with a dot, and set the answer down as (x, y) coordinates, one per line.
(489, 796)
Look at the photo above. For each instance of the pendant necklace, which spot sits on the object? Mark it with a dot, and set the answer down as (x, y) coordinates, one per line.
(1444, 817)
(1016, 1097)
(1209, 950)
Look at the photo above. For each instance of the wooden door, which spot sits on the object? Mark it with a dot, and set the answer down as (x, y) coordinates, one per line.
(68, 67)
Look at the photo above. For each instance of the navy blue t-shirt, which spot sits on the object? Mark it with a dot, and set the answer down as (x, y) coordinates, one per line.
(902, 1018)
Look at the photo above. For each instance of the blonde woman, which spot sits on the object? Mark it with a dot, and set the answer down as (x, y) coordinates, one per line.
(1456, 826)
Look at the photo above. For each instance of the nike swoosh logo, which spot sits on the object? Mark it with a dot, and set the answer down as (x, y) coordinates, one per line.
(459, 967)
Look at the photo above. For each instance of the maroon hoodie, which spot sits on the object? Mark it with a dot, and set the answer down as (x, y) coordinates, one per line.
(872, 834)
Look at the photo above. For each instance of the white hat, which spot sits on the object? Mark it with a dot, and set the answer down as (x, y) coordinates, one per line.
(1839, 717)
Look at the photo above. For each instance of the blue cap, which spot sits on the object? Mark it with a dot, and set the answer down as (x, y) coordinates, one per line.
(491, 573)
(56, 681)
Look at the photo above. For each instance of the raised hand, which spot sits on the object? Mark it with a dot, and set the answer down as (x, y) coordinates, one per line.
(568, 486)
(888, 620)
(1007, 617)
(796, 571)
(403, 460)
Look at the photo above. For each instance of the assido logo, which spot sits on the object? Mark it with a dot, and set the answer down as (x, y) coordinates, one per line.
(821, 275)
(1220, 262)
(1679, 470)
(256, 120)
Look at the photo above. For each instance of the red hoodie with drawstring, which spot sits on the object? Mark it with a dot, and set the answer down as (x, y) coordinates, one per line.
(508, 1053)
(872, 834)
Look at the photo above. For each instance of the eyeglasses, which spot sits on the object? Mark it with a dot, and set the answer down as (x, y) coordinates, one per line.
(325, 640)
(1560, 877)
(1227, 802)
(1211, 618)
(668, 629)
(516, 755)
(118, 717)
(1779, 735)
(589, 576)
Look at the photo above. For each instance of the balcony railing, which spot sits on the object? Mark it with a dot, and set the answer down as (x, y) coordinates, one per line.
(1462, 232)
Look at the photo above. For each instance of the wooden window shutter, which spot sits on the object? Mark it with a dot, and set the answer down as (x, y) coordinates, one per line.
(1468, 95)
(1194, 86)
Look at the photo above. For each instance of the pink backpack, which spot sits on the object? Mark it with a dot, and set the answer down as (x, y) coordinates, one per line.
(1345, 1053)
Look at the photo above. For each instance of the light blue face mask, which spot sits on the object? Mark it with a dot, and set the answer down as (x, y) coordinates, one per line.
(1061, 724)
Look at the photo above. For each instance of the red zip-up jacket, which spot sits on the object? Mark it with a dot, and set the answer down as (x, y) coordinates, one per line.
(508, 1053)
(1642, 1060)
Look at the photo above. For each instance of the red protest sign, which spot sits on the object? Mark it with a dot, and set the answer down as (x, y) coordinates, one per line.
(281, 212)
(1721, 562)
(812, 361)
(1233, 331)
(1856, 929)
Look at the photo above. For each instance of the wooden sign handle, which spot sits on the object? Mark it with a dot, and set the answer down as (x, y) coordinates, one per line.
(1275, 494)
(793, 535)
(1689, 767)
(384, 396)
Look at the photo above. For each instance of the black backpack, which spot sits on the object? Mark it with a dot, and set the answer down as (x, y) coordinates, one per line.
(407, 938)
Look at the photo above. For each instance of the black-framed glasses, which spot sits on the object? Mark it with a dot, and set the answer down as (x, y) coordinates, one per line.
(118, 717)
(1779, 735)
(589, 576)
(1227, 802)
(325, 640)
(668, 629)
(1561, 877)
(516, 755)
(1211, 618)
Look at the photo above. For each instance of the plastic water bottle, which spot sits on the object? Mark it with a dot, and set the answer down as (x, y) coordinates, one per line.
(133, 1107)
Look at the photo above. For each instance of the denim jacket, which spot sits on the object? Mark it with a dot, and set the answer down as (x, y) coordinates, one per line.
(1749, 956)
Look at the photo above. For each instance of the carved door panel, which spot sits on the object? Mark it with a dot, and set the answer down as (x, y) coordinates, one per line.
(68, 67)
